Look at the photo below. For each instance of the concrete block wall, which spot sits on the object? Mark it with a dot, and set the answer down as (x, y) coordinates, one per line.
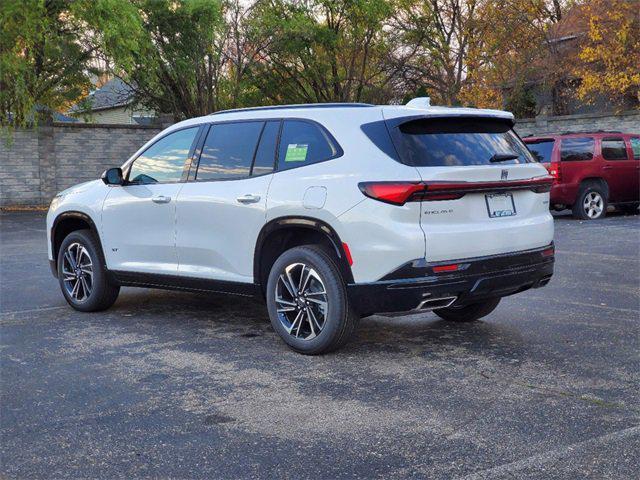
(626, 122)
(36, 164)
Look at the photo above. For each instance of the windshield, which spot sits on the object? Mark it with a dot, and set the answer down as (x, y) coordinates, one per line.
(442, 142)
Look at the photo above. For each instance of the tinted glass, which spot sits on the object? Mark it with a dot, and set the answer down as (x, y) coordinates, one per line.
(228, 151)
(457, 142)
(614, 149)
(164, 160)
(541, 150)
(266, 153)
(303, 143)
(576, 149)
(635, 146)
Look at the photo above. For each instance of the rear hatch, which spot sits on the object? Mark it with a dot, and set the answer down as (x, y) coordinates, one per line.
(484, 194)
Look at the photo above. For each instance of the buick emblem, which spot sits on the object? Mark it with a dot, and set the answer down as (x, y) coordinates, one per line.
(504, 175)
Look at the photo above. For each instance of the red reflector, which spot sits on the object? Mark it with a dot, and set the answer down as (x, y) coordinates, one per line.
(549, 252)
(347, 253)
(445, 268)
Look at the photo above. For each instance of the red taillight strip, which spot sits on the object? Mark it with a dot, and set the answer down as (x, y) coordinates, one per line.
(398, 193)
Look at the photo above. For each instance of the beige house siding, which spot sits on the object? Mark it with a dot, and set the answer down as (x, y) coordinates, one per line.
(117, 115)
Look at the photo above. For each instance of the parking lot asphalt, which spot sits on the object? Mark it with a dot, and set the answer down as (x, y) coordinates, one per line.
(168, 384)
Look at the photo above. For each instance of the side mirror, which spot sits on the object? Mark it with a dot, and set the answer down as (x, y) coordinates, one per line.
(113, 176)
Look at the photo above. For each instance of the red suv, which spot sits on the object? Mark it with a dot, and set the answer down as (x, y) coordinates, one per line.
(591, 170)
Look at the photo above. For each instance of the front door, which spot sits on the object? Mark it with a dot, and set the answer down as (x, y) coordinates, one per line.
(139, 217)
(221, 211)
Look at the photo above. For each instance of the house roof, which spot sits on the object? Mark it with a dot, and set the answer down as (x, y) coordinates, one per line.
(114, 93)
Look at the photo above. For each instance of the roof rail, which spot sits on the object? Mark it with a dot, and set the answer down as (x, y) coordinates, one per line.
(288, 107)
(589, 132)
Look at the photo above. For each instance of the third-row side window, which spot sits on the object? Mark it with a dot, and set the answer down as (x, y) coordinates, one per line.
(303, 143)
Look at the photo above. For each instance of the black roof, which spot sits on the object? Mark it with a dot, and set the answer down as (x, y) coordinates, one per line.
(288, 107)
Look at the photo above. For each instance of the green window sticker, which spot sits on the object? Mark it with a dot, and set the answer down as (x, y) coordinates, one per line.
(296, 152)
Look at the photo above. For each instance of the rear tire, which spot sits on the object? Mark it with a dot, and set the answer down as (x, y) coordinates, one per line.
(468, 313)
(309, 321)
(591, 203)
(81, 273)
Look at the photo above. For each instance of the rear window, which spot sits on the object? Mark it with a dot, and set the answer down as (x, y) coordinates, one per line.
(576, 149)
(440, 142)
(303, 143)
(541, 149)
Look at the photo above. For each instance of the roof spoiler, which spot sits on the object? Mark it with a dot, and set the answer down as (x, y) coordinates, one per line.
(419, 102)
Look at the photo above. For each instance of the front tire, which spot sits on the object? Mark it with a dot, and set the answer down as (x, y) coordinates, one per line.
(81, 273)
(591, 203)
(468, 313)
(307, 301)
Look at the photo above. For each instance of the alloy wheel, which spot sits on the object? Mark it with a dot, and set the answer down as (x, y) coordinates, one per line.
(301, 301)
(593, 204)
(77, 271)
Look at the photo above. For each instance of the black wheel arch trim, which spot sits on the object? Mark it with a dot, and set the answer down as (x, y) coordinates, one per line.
(72, 214)
(300, 221)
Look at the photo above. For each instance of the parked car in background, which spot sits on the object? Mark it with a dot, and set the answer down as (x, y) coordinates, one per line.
(591, 171)
(330, 212)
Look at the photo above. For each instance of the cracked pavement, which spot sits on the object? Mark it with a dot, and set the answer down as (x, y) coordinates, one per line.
(170, 384)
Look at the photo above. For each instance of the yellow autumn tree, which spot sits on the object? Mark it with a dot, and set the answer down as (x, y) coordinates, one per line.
(610, 55)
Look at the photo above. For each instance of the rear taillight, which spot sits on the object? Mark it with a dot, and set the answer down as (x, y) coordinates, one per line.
(396, 193)
(399, 193)
(554, 171)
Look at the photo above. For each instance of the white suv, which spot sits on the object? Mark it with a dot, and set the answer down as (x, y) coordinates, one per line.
(331, 212)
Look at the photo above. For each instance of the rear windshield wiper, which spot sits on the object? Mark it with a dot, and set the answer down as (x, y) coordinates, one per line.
(503, 157)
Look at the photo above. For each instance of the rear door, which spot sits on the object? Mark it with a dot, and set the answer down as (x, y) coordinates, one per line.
(620, 170)
(221, 209)
(497, 212)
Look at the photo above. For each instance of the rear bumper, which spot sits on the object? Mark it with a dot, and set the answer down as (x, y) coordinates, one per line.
(479, 278)
(563, 193)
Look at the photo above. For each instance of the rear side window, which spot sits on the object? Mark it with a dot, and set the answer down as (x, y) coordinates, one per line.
(635, 146)
(304, 143)
(438, 142)
(228, 151)
(576, 149)
(614, 149)
(541, 150)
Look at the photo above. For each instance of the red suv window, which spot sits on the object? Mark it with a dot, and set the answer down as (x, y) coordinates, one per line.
(635, 147)
(541, 149)
(614, 149)
(576, 149)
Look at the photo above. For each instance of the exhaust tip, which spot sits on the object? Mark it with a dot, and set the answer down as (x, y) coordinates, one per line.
(434, 303)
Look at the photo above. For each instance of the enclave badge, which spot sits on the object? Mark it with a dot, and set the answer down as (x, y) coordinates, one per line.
(504, 175)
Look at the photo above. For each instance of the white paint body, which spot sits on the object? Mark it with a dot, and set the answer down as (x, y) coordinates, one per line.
(203, 231)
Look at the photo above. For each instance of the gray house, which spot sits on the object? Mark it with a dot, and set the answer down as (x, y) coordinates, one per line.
(112, 103)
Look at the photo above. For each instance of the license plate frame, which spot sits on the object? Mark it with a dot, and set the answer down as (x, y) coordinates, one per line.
(500, 205)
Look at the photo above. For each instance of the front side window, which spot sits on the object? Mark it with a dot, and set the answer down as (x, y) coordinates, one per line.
(163, 162)
(576, 149)
(614, 149)
(541, 150)
(303, 143)
(635, 147)
(228, 151)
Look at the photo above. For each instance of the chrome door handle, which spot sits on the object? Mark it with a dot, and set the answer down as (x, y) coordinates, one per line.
(161, 199)
(607, 167)
(248, 198)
